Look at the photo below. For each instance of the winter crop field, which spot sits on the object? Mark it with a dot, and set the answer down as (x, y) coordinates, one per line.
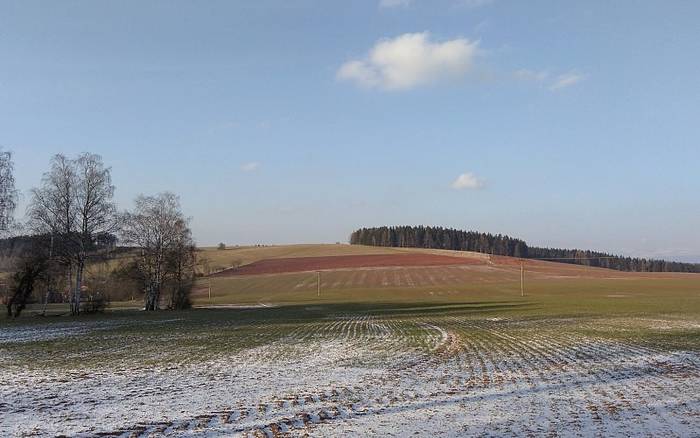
(444, 350)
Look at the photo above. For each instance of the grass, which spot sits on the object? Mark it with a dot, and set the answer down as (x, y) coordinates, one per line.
(588, 345)
(583, 307)
(628, 308)
(590, 296)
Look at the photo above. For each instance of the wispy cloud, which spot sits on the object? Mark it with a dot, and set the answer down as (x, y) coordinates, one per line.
(531, 75)
(394, 3)
(473, 3)
(250, 167)
(467, 181)
(566, 80)
(545, 78)
(410, 60)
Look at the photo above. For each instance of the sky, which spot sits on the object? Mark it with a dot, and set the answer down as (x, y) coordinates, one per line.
(567, 124)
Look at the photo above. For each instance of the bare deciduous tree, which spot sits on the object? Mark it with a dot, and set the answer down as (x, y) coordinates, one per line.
(160, 231)
(181, 261)
(74, 205)
(96, 211)
(8, 194)
(30, 270)
(52, 212)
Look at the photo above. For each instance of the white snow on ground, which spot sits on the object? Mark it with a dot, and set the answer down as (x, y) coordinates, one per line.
(34, 333)
(364, 376)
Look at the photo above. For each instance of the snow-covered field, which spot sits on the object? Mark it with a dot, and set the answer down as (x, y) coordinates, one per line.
(354, 374)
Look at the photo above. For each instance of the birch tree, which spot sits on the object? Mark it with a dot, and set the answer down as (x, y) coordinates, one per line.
(8, 194)
(96, 215)
(158, 228)
(74, 205)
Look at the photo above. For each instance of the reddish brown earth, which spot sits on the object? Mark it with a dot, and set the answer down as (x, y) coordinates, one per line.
(303, 264)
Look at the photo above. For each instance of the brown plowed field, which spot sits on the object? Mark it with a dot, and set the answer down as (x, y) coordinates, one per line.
(303, 264)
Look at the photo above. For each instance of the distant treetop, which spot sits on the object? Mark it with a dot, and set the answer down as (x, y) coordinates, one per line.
(452, 239)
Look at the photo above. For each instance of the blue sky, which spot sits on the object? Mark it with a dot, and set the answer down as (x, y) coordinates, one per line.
(569, 124)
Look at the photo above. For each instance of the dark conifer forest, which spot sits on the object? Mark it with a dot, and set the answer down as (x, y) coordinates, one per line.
(459, 240)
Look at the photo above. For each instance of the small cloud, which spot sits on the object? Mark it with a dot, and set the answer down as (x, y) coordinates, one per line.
(467, 181)
(410, 60)
(531, 75)
(394, 3)
(566, 80)
(482, 26)
(250, 167)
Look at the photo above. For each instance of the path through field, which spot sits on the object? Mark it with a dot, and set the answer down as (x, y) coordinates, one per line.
(392, 373)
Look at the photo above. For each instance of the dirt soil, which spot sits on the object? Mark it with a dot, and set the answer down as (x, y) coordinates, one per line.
(304, 264)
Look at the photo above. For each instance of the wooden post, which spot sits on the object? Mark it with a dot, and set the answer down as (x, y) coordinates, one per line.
(318, 283)
(522, 278)
(210, 289)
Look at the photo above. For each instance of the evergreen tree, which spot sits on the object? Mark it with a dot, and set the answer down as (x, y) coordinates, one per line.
(449, 238)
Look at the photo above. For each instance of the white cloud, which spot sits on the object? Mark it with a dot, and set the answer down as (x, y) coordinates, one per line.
(393, 3)
(250, 167)
(467, 181)
(566, 80)
(544, 78)
(410, 60)
(531, 75)
(359, 72)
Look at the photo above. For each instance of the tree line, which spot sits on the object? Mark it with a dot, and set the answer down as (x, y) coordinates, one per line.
(73, 221)
(498, 244)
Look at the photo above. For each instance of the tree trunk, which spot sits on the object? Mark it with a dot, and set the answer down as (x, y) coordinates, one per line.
(152, 297)
(69, 287)
(46, 299)
(75, 308)
(156, 296)
(49, 283)
(147, 303)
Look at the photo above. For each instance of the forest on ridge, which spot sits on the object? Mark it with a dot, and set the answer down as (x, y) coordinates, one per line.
(498, 244)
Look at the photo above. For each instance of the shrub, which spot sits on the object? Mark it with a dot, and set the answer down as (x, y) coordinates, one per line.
(94, 303)
(180, 295)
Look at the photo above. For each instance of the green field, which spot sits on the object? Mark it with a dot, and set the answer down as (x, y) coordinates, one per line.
(409, 350)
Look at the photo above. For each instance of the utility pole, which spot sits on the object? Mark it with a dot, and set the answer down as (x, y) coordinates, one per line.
(318, 283)
(522, 278)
